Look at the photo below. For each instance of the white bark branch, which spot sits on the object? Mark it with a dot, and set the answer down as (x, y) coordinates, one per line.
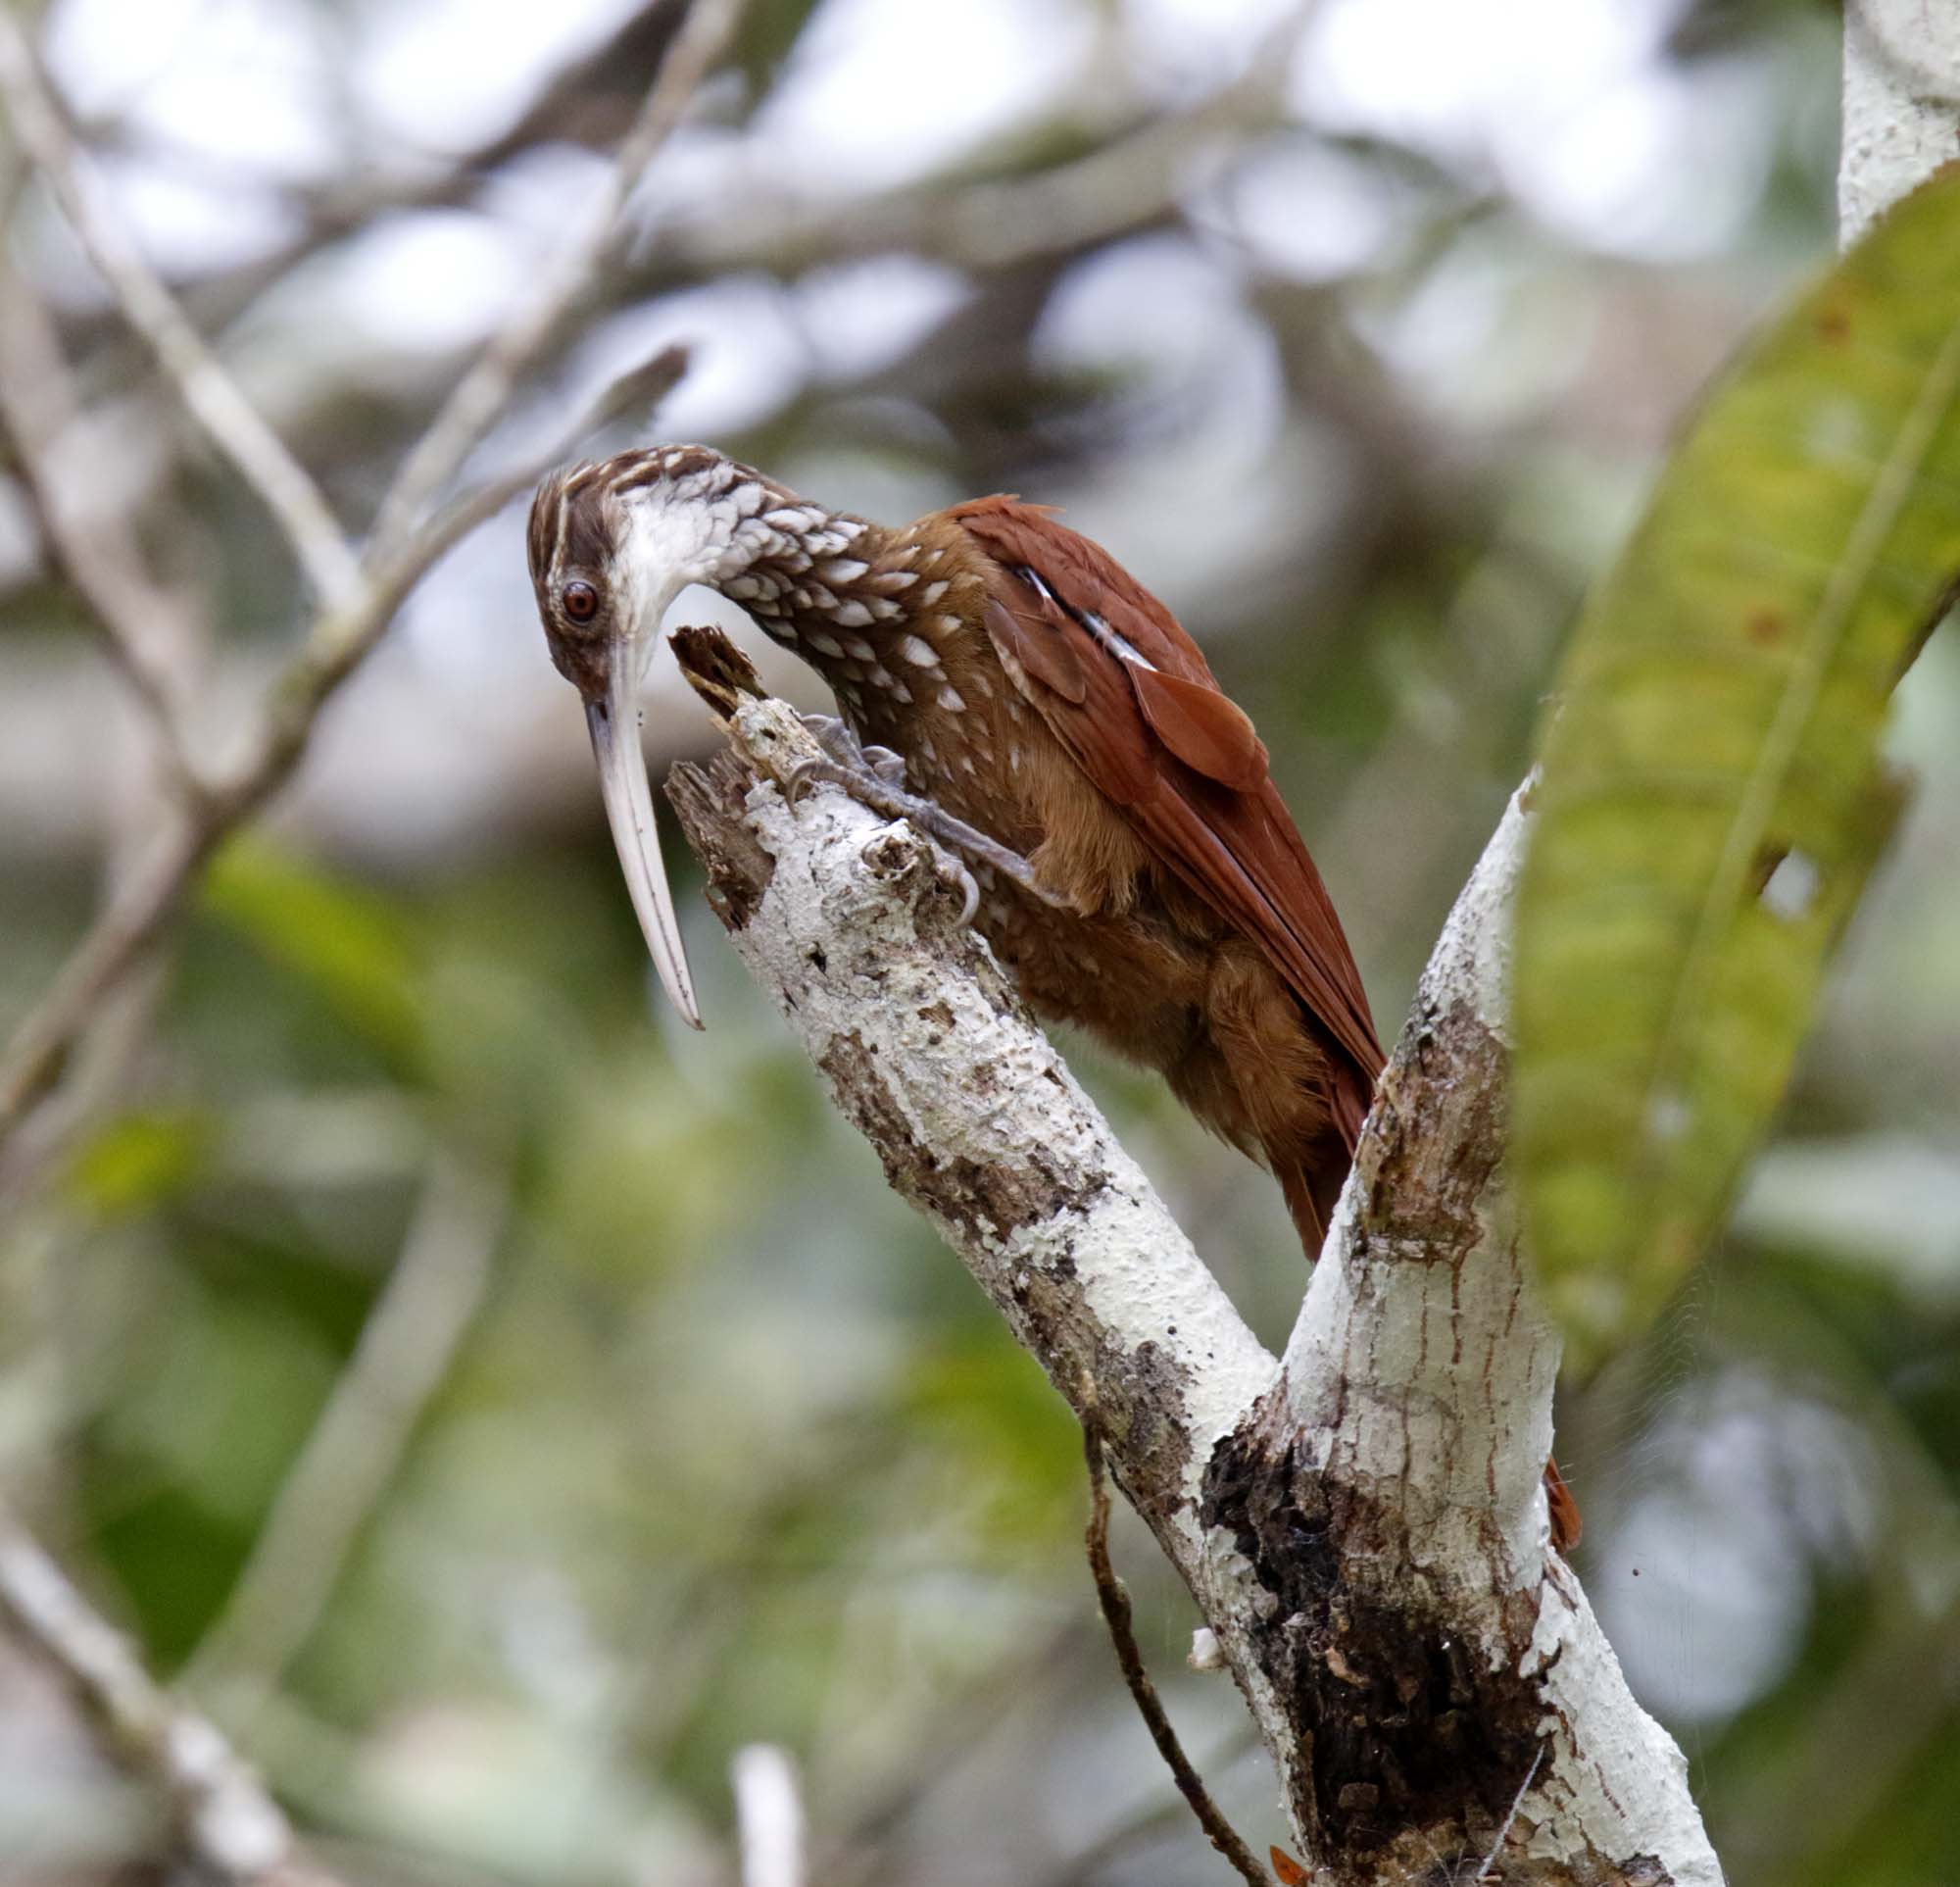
(1901, 104)
(1418, 1381)
(1363, 1528)
(977, 1118)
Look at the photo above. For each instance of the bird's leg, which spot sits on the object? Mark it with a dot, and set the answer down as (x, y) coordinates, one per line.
(874, 776)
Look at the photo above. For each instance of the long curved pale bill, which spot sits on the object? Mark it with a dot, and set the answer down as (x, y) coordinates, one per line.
(629, 811)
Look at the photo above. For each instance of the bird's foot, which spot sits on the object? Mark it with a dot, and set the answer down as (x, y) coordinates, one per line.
(839, 739)
(868, 781)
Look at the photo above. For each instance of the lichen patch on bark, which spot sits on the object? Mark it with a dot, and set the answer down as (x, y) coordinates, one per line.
(992, 1200)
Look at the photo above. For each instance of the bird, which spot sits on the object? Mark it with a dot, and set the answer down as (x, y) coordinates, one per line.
(1134, 866)
(1138, 872)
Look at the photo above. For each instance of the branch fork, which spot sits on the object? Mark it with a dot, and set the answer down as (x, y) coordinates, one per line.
(1361, 1521)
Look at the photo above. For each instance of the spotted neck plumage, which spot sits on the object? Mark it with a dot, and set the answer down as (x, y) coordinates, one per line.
(882, 621)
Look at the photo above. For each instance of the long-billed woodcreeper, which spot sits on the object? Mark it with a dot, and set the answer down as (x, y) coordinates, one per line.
(1034, 690)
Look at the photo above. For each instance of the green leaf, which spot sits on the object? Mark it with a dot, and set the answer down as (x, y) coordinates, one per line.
(350, 946)
(1712, 796)
(141, 1158)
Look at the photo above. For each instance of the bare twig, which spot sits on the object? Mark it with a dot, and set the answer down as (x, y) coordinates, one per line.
(486, 388)
(405, 1350)
(236, 426)
(1490, 1861)
(98, 554)
(768, 1815)
(1114, 1599)
(227, 1818)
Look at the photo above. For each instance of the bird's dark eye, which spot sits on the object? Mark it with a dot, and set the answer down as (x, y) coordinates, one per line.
(579, 600)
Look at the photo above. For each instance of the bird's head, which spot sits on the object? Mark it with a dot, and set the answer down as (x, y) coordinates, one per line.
(611, 545)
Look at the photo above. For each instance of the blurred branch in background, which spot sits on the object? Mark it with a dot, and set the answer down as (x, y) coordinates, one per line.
(480, 398)
(227, 1821)
(152, 631)
(358, 609)
(768, 1816)
(439, 1283)
(208, 391)
(1120, 1618)
(405, 1350)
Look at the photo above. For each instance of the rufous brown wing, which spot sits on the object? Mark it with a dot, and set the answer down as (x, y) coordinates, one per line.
(1129, 695)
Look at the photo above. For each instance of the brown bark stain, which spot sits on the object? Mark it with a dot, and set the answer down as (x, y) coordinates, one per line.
(1415, 1736)
(1434, 1140)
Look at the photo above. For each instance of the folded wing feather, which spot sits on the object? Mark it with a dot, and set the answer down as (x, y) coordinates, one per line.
(1131, 698)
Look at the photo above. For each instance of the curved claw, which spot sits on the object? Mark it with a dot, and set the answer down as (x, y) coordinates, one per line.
(802, 778)
(969, 887)
(867, 779)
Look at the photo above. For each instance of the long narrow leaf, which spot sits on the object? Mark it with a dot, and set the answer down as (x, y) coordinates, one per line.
(1712, 796)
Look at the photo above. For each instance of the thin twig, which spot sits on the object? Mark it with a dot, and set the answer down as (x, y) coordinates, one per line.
(1504, 1828)
(235, 427)
(227, 1820)
(404, 1352)
(1115, 1602)
(768, 1815)
(485, 389)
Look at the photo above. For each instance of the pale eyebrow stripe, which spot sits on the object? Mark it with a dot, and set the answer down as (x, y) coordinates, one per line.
(561, 525)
